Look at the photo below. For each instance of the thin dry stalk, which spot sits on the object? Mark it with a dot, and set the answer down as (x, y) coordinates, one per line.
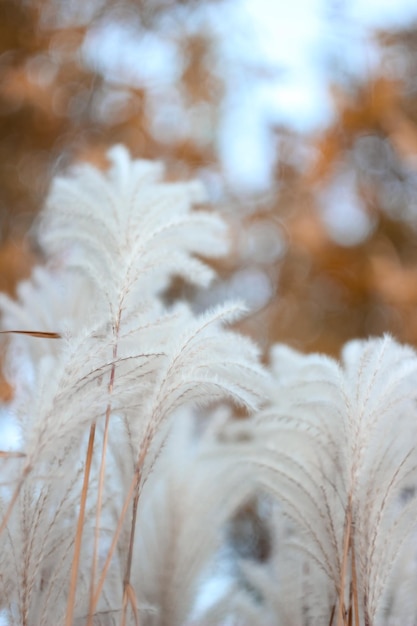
(354, 584)
(332, 613)
(33, 333)
(6, 454)
(102, 475)
(129, 596)
(98, 515)
(341, 618)
(80, 526)
(116, 536)
(14, 498)
(137, 476)
(126, 582)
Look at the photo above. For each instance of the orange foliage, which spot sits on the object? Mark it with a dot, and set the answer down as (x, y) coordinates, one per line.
(52, 110)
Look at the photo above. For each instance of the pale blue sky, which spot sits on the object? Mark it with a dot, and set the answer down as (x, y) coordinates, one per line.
(303, 43)
(302, 38)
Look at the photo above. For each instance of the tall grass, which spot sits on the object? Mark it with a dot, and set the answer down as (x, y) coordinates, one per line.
(115, 505)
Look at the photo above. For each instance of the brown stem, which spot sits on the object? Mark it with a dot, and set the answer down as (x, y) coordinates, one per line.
(12, 454)
(80, 526)
(14, 499)
(354, 584)
(33, 333)
(102, 471)
(138, 476)
(333, 611)
(129, 596)
(98, 516)
(126, 582)
(101, 479)
(116, 536)
(341, 619)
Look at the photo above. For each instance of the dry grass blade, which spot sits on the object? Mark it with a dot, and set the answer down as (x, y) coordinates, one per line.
(115, 539)
(354, 584)
(332, 613)
(33, 333)
(11, 506)
(138, 477)
(80, 526)
(14, 498)
(131, 597)
(126, 583)
(101, 476)
(98, 514)
(341, 619)
(12, 454)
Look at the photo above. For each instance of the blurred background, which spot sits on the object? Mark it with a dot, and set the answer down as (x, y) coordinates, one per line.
(299, 117)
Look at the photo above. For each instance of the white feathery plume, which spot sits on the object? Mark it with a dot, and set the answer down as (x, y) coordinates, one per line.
(124, 368)
(281, 584)
(338, 447)
(129, 231)
(181, 520)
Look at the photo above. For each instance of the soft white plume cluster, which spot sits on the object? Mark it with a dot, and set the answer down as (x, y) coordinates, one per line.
(82, 532)
(115, 507)
(337, 449)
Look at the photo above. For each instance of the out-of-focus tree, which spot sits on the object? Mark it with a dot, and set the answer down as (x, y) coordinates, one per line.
(329, 254)
(59, 102)
(351, 268)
